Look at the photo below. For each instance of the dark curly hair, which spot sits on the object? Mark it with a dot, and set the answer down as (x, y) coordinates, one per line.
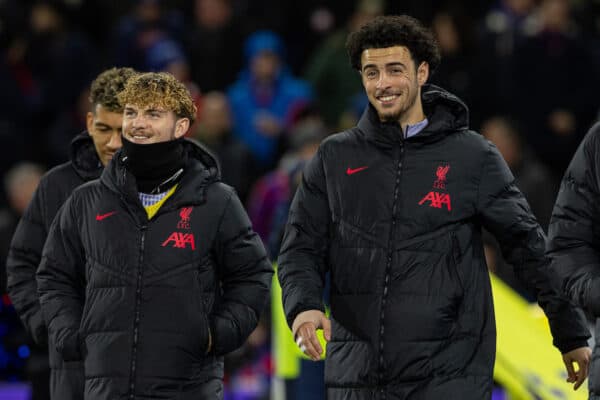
(108, 85)
(159, 89)
(394, 30)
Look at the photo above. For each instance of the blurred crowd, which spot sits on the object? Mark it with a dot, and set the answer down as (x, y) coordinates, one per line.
(271, 79)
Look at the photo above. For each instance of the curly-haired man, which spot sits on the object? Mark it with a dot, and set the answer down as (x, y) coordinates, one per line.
(393, 209)
(152, 273)
(90, 153)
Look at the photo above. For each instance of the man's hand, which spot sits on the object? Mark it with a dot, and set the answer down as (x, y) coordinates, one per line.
(581, 356)
(305, 328)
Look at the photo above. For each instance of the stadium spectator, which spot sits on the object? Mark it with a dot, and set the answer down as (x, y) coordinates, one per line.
(553, 118)
(266, 97)
(238, 167)
(19, 356)
(215, 44)
(333, 79)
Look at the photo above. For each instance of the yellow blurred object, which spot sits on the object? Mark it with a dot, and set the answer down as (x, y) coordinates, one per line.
(527, 365)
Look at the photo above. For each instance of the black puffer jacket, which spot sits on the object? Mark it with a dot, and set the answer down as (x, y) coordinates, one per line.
(398, 224)
(574, 238)
(56, 186)
(136, 298)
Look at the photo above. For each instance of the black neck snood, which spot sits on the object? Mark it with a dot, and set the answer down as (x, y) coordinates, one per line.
(156, 166)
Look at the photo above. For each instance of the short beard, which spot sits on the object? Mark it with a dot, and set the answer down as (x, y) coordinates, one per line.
(396, 116)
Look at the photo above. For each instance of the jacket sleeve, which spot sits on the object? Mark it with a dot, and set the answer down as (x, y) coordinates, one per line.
(304, 250)
(245, 274)
(574, 228)
(61, 282)
(506, 214)
(22, 262)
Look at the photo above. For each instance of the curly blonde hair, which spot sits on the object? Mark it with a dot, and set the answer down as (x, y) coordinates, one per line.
(159, 89)
(107, 86)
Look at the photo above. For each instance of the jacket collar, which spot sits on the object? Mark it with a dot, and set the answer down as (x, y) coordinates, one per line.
(201, 170)
(84, 158)
(445, 112)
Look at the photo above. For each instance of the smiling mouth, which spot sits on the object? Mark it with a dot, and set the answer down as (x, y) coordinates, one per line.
(387, 98)
(138, 137)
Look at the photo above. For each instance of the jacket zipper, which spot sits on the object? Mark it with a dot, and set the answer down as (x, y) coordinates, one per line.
(136, 322)
(388, 268)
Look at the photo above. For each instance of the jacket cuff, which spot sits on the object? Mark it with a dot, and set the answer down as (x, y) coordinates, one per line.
(291, 316)
(568, 346)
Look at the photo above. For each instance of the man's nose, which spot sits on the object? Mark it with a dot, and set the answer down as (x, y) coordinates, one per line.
(383, 81)
(115, 140)
(138, 121)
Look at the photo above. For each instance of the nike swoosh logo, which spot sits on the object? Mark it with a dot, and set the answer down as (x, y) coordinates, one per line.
(351, 171)
(103, 216)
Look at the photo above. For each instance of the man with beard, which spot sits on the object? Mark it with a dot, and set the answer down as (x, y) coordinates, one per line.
(153, 272)
(91, 151)
(393, 210)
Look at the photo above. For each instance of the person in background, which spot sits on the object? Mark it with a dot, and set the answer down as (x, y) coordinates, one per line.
(214, 130)
(328, 71)
(91, 151)
(530, 175)
(19, 356)
(20, 183)
(217, 34)
(271, 195)
(553, 119)
(266, 97)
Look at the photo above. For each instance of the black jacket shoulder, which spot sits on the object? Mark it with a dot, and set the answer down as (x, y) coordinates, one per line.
(29, 238)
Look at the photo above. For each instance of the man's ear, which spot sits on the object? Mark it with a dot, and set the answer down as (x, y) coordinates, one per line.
(423, 73)
(89, 121)
(181, 127)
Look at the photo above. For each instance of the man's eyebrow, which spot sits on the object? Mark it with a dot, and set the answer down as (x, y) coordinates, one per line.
(391, 64)
(395, 63)
(369, 66)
